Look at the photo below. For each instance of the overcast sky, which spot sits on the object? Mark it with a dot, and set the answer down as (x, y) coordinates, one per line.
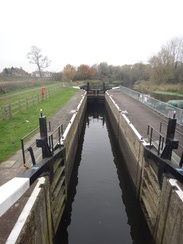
(86, 31)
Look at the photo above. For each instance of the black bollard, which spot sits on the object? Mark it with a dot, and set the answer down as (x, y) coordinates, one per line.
(104, 87)
(171, 143)
(88, 87)
(43, 141)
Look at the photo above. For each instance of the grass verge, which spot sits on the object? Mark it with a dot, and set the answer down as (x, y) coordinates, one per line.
(11, 131)
(167, 89)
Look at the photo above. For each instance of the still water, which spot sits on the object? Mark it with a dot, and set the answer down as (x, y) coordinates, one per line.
(101, 207)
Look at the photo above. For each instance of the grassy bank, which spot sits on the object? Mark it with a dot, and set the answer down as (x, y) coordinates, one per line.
(168, 89)
(11, 84)
(21, 94)
(12, 130)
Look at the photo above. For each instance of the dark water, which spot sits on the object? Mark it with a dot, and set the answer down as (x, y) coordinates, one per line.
(102, 207)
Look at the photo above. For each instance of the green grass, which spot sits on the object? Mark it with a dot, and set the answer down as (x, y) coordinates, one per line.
(38, 87)
(168, 93)
(12, 130)
(12, 84)
(23, 93)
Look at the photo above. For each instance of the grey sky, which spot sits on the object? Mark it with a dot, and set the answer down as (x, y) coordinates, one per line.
(86, 32)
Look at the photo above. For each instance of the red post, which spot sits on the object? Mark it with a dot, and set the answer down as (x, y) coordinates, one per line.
(43, 93)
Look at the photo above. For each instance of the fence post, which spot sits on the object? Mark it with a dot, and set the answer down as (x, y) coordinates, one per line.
(3, 112)
(19, 105)
(23, 151)
(33, 100)
(10, 110)
(27, 104)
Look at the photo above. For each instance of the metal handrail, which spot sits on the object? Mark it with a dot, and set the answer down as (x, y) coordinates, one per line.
(178, 132)
(33, 144)
(162, 137)
(150, 130)
(59, 130)
(22, 143)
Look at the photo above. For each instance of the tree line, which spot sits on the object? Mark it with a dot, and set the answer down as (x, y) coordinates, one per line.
(164, 67)
(104, 72)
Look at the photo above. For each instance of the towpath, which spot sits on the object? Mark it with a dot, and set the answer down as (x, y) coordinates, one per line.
(14, 165)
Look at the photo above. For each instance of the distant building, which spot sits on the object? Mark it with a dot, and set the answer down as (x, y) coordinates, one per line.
(15, 72)
(45, 74)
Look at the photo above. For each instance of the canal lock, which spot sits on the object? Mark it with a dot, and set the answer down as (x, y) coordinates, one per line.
(102, 206)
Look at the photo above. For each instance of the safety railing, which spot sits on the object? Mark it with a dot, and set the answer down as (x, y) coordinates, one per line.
(161, 107)
(179, 136)
(32, 151)
(55, 137)
(156, 138)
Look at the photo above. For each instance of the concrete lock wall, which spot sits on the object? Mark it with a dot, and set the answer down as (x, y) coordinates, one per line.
(39, 220)
(162, 208)
(72, 134)
(34, 223)
(170, 215)
(130, 141)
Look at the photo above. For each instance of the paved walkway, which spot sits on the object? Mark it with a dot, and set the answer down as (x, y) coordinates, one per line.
(140, 115)
(14, 165)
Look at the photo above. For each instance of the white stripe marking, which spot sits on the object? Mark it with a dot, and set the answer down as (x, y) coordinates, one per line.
(11, 191)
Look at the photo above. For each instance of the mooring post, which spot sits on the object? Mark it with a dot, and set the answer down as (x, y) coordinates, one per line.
(88, 87)
(104, 87)
(171, 143)
(43, 127)
(43, 141)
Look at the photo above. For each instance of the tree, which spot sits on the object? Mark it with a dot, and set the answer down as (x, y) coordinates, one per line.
(140, 71)
(38, 59)
(103, 71)
(175, 48)
(161, 66)
(68, 73)
(85, 72)
(167, 65)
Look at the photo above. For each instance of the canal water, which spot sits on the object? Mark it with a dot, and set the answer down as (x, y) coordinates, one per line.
(102, 207)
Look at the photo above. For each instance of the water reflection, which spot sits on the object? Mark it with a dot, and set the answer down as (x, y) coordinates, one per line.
(62, 233)
(139, 230)
(101, 206)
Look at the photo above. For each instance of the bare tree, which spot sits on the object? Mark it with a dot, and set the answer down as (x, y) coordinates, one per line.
(161, 66)
(38, 59)
(167, 65)
(175, 48)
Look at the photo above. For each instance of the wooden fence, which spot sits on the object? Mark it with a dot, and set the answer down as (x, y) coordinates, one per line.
(9, 110)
